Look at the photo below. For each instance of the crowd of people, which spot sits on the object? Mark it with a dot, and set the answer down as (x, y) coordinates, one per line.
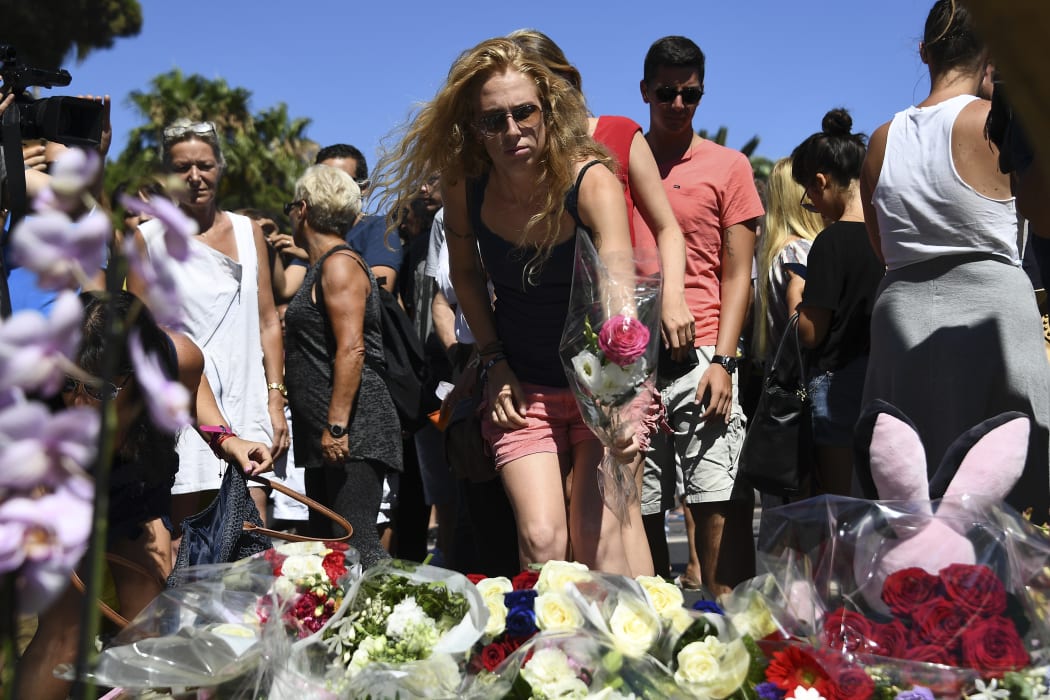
(901, 257)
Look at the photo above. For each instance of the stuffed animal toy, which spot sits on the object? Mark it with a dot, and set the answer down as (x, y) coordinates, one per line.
(985, 462)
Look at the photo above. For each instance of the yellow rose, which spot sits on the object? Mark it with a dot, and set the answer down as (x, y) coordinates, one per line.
(555, 575)
(634, 627)
(711, 669)
(666, 598)
(556, 613)
(492, 591)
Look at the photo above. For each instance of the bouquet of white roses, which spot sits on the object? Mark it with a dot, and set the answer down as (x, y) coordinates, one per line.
(609, 348)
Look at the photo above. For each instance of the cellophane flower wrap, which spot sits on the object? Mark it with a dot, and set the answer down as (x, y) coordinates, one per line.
(207, 633)
(608, 349)
(403, 630)
(964, 615)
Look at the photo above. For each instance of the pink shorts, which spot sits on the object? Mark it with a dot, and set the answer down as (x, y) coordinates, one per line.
(554, 424)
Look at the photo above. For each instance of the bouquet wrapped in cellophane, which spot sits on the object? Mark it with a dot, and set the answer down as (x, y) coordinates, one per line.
(950, 596)
(609, 348)
(403, 631)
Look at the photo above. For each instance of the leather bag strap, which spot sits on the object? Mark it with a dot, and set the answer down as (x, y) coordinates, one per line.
(309, 503)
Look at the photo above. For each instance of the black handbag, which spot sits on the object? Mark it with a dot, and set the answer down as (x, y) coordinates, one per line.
(217, 535)
(775, 456)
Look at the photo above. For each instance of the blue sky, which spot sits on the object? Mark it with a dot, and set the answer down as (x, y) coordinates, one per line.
(356, 69)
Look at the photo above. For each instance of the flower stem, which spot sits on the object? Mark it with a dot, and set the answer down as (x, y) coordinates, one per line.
(8, 635)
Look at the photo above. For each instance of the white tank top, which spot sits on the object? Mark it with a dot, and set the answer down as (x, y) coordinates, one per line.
(924, 208)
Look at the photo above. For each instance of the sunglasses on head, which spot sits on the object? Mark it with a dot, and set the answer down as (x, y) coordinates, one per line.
(177, 131)
(97, 390)
(525, 116)
(690, 95)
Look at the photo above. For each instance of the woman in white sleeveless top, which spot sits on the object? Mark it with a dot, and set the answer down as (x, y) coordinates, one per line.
(956, 337)
(228, 310)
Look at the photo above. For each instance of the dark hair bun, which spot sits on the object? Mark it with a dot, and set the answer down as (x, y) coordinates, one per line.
(837, 122)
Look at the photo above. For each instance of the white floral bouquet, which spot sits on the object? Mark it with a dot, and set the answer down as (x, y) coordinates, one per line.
(609, 349)
(402, 631)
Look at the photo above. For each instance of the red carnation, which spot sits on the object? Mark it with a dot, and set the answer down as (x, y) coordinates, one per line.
(334, 565)
(974, 588)
(276, 560)
(492, 656)
(890, 639)
(851, 683)
(940, 622)
(906, 590)
(306, 606)
(337, 546)
(848, 631)
(931, 654)
(474, 578)
(792, 667)
(525, 580)
(993, 645)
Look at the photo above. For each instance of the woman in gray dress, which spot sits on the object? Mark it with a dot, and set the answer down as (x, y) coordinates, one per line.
(334, 358)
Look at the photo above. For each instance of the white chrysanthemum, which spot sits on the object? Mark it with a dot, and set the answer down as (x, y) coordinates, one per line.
(556, 575)
(405, 616)
(299, 567)
(666, 598)
(555, 612)
(634, 627)
(546, 668)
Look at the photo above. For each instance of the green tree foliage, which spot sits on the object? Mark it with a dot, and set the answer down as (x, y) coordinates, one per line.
(265, 152)
(45, 31)
(760, 165)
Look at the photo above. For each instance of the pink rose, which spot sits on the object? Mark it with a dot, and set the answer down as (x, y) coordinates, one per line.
(623, 339)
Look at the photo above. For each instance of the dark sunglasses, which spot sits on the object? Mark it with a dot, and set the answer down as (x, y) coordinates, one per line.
(690, 95)
(525, 116)
(292, 205)
(806, 203)
(98, 390)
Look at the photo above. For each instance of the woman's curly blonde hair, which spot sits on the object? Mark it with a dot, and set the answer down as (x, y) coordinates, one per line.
(443, 137)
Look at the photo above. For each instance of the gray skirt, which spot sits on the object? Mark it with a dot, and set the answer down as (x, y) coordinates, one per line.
(955, 341)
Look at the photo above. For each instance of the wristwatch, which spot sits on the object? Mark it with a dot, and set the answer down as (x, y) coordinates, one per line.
(728, 363)
(336, 430)
(277, 386)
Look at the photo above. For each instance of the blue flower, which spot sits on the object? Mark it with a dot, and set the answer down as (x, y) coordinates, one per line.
(708, 606)
(916, 693)
(766, 691)
(521, 621)
(516, 599)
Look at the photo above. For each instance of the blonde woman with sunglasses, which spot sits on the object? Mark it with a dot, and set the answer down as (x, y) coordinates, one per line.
(510, 140)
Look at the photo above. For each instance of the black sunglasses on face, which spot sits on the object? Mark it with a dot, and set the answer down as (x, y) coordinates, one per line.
(525, 116)
(690, 95)
(95, 390)
(292, 205)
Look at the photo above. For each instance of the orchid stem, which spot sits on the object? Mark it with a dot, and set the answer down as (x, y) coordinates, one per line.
(8, 635)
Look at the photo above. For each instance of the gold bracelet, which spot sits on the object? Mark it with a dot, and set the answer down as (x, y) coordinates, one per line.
(278, 387)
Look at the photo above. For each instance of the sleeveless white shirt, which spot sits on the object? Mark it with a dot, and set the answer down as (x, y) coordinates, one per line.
(925, 209)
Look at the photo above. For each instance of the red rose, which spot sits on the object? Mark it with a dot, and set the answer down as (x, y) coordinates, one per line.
(931, 654)
(334, 565)
(993, 645)
(525, 580)
(851, 683)
(848, 631)
(906, 590)
(974, 588)
(492, 656)
(474, 578)
(940, 622)
(890, 639)
(511, 644)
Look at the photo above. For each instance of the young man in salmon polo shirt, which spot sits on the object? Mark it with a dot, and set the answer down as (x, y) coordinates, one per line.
(712, 192)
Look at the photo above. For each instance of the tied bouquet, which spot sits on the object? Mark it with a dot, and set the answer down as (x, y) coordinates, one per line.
(311, 580)
(609, 352)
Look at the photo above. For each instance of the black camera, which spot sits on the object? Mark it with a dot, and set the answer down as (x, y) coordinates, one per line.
(68, 120)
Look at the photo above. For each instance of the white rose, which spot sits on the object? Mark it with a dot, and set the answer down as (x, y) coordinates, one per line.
(492, 591)
(289, 549)
(634, 627)
(666, 598)
(298, 567)
(555, 575)
(555, 612)
(712, 669)
(755, 620)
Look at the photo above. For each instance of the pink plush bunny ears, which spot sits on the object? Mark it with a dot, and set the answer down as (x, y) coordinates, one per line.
(985, 461)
